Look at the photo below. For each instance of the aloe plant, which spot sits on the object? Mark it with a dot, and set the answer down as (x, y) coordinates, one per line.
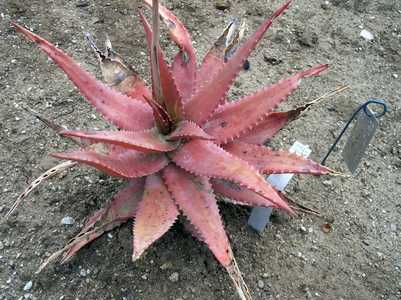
(182, 141)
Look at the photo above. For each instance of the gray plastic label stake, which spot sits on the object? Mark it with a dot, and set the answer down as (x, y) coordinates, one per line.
(260, 216)
(359, 139)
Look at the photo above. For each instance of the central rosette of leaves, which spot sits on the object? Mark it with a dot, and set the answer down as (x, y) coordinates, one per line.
(181, 142)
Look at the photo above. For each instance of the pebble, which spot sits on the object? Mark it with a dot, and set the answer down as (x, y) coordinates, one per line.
(174, 277)
(144, 277)
(28, 286)
(265, 275)
(327, 182)
(366, 35)
(67, 221)
(83, 273)
(261, 284)
(222, 4)
(395, 76)
(302, 229)
(166, 266)
(325, 5)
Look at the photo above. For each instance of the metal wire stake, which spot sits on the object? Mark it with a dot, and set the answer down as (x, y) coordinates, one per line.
(368, 112)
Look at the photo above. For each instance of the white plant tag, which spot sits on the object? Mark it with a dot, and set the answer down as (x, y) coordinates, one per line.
(260, 215)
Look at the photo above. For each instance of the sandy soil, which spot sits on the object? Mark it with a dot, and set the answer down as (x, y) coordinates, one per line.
(293, 258)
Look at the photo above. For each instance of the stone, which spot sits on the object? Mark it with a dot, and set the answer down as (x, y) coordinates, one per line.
(82, 273)
(366, 35)
(325, 5)
(174, 277)
(28, 286)
(302, 229)
(222, 4)
(67, 220)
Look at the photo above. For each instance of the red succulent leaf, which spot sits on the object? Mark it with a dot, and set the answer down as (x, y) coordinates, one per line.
(239, 195)
(119, 210)
(231, 119)
(155, 214)
(205, 222)
(207, 159)
(184, 74)
(146, 141)
(207, 98)
(163, 121)
(188, 130)
(171, 96)
(123, 163)
(268, 128)
(194, 196)
(134, 87)
(124, 112)
(184, 63)
(270, 125)
(215, 57)
(269, 161)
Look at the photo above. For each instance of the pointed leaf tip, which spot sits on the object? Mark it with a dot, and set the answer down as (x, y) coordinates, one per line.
(203, 102)
(124, 112)
(120, 209)
(123, 163)
(233, 119)
(184, 63)
(146, 141)
(269, 161)
(170, 95)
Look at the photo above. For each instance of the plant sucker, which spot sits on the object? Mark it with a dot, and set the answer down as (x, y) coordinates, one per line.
(180, 142)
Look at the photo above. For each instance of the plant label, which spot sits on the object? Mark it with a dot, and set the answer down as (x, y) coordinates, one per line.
(359, 139)
(260, 215)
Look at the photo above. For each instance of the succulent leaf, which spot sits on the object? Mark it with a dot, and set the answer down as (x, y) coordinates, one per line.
(124, 112)
(125, 163)
(120, 209)
(194, 196)
(155, 214)
(171, 97)
(146, 141)
(268, 128)
(215, 57)
(239, 195)
(202, 104)
(229, 120)
(184, 63)
(269, 161)
(205, 158)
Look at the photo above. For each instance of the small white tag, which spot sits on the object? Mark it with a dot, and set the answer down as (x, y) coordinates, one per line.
(260, 215)
(280, 181)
